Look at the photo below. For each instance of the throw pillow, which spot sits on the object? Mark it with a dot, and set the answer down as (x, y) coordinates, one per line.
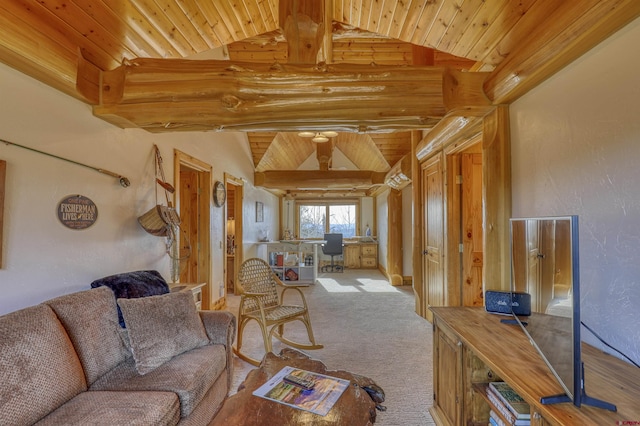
(129, 285)
(161, 327)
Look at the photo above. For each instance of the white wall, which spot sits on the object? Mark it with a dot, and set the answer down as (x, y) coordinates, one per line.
(575, 150)
(42, 258)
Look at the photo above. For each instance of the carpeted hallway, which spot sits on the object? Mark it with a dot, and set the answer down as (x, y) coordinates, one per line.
(370, 328)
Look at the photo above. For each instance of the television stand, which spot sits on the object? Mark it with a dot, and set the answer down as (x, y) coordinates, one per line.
(584, 398)
(472, 348)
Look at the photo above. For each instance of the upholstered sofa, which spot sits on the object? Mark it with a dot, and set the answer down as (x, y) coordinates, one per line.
(68, 361)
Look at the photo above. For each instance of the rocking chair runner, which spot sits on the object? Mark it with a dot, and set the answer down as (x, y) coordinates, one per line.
(259, 301)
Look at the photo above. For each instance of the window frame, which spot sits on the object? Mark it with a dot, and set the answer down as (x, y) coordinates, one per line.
(327, 204)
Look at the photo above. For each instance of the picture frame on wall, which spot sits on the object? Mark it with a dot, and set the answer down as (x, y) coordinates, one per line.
(259, 211)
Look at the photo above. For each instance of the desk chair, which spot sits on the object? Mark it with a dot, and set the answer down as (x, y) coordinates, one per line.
(332, 247)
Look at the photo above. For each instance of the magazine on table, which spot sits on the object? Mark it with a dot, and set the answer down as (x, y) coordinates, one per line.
(319, 400)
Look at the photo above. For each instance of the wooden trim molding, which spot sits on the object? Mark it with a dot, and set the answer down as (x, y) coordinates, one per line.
(3, 177)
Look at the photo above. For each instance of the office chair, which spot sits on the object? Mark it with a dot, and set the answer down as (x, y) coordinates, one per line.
(332, 247)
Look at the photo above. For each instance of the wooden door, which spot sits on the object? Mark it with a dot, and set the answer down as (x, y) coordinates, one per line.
(189, 225)
(193, 198)
(234, 209)
(472, 255)
(433, 267)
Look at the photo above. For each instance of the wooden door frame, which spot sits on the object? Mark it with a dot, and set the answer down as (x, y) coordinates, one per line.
(496, 202)
(238, 209)
(202, 247)
(453, 214)
(438, 159)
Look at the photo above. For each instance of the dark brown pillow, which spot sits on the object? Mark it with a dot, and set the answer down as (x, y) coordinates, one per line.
(161, 327)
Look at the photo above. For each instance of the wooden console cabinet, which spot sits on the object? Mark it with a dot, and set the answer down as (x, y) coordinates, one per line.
(361, 255)
(472, 347)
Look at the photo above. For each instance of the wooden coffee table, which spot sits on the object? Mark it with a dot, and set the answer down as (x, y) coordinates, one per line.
(354, 407)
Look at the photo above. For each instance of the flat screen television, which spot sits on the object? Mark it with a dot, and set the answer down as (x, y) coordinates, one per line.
(545, 263)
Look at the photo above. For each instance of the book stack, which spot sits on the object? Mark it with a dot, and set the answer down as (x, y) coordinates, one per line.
(509, 404)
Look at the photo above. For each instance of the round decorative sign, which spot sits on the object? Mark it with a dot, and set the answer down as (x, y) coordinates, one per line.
(77, 212)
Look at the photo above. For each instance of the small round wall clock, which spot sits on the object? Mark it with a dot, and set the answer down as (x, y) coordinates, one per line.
(219, 194)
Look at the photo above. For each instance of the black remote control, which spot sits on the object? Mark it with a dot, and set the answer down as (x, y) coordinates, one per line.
(305, 384)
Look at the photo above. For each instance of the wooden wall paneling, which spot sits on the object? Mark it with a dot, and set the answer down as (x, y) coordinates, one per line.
(169, 30)
(425, 23)
(496, 183)
(3, 179)
(215, 26)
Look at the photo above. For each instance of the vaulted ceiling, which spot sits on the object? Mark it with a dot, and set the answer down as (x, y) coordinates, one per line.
(375, 71)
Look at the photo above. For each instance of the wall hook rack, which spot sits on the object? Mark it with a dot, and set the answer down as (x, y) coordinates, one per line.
(123, 180)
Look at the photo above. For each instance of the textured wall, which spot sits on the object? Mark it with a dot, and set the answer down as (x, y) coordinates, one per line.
(575, 150)
(42, 258)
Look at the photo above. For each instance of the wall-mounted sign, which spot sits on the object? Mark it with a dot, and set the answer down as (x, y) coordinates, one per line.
(77, 212)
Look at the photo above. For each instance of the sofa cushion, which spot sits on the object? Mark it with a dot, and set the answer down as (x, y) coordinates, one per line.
(91, 320)
(117, 408)
(190, 375)
(39, 367)
(161, 327)
(131, 285)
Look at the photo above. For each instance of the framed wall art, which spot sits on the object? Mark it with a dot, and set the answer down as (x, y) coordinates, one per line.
(259, 212)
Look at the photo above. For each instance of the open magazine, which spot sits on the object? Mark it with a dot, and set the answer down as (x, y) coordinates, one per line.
(318, 400)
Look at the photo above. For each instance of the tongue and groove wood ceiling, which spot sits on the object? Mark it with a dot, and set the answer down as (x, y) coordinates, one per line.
(374, 70)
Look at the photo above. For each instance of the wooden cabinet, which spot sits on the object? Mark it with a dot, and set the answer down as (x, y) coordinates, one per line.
(196, 289)
(352, 256)
(369, 256)
(472, 348)
(361, 255)
(447, 359)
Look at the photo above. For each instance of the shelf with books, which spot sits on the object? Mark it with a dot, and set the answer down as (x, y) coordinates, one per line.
(294, 261)
(507, 416)
(500, 411)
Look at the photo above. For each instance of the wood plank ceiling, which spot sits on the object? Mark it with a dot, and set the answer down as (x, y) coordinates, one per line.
(82, 48)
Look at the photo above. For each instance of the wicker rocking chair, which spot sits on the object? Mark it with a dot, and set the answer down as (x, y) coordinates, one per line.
(260, 301)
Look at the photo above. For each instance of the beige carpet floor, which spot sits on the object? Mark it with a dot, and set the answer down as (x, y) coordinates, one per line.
(367, 327)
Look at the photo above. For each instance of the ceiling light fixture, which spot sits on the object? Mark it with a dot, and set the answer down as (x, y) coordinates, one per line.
(318, 137)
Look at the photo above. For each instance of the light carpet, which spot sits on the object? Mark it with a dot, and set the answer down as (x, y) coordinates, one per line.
(367, 327)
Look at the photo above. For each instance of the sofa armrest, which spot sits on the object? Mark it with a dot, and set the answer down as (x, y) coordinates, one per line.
(221, 329)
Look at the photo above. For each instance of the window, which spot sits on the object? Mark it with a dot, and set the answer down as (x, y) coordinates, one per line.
(316, 219)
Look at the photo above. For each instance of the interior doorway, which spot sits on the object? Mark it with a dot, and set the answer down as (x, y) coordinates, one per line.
(193, 195)
(464, 224)
(234, 250)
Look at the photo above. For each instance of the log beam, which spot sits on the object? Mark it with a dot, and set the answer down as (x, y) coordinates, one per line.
(163, 95)
(313, 179)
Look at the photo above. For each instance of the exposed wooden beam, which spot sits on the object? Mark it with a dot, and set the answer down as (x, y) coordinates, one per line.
(400, 174)
(312, 179)
(171, 95)
(573, 29)
(324, 154)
